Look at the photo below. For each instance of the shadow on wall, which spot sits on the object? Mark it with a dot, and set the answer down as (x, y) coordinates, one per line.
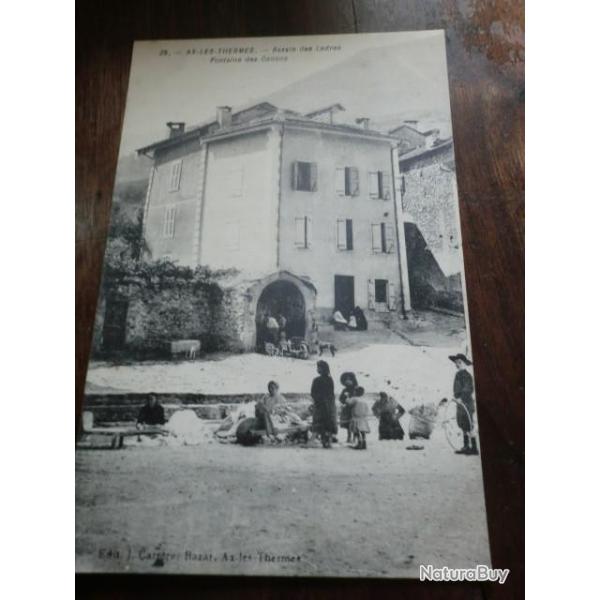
(429, 286)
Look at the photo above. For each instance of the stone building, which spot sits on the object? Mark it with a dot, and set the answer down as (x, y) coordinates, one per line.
(305, 207)
(430, 210)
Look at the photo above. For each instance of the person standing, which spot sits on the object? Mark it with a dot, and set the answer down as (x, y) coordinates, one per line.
(463, 394)
(324, 410)
(359, 425)
(272, 329)
(351, 389)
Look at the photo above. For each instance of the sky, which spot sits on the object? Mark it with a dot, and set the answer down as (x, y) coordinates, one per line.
(384, 76)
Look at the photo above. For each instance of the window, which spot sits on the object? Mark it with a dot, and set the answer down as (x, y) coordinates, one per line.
(169, 222)
(346, 181)
(345, 235)
(381, 295)
(381, 291)
(232, 236)
(303, 232)
(383, 238)
(175, 176)
(304, 176)
(379, 185)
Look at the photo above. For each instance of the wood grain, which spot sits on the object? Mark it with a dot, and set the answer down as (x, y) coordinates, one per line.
(485, 58)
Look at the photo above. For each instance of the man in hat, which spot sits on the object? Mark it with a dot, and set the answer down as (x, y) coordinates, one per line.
(463, 394)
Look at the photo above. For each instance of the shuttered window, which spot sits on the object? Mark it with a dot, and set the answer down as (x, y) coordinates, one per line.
(376, 237)
(379, 185)
(304, 176)
(345, 234)
(175, 177)
(346, 181)
(340, 181)
(169, 222)
(303, 232)
(383, 238)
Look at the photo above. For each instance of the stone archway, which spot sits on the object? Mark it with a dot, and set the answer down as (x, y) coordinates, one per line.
(281, 298)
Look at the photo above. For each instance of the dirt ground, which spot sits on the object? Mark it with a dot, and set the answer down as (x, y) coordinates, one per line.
(280, 510)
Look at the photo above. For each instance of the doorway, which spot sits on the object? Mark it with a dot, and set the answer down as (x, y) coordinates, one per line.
(280, 299)
(344, 294)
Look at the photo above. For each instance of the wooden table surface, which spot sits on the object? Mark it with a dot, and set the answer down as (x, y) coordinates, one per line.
(486, 68)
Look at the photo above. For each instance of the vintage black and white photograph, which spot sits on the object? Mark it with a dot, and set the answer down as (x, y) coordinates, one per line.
(281, 377)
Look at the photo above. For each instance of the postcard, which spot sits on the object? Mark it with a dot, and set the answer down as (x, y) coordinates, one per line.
(281, 380)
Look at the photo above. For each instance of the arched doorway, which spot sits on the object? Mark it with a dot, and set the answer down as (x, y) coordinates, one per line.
(280, 298)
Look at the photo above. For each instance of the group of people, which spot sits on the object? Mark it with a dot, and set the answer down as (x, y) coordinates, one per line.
(353, 415)
(275, 327)
(354, 411)
(356, 321)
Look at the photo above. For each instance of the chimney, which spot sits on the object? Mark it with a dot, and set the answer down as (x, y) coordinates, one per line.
(224, 116)
(411, 123)
(431, 137)
(364, 121)
(175, 128)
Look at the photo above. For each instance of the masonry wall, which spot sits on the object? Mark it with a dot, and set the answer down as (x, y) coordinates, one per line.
(322, 260)
(429, 200)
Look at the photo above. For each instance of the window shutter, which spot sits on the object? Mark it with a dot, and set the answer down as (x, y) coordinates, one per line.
(391, 296)
(374, 184)
(300, 240)
(308, 232)
(169, 222)
(295, 175)
(340, 181)
(313, 177)
(175, 176)
(385, 186)
(376, 233)
(341, 234)
(349, 235)
(354, 187)
(371, 294)
(389, 238)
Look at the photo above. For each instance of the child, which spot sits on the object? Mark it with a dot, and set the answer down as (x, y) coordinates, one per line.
(358, 426)
(284, 344)
(463, 394)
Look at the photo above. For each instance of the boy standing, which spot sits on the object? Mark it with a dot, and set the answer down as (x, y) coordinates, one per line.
(463, 394)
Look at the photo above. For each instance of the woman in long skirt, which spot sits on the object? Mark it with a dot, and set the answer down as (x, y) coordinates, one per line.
(324, 411)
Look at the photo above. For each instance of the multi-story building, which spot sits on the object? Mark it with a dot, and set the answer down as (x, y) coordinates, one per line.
(304, 207)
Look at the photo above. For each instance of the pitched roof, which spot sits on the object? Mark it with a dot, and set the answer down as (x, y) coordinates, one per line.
(241, 116)
(422, 152)
(256, 116)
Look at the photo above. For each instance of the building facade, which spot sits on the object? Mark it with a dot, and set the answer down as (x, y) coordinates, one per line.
(291, 200)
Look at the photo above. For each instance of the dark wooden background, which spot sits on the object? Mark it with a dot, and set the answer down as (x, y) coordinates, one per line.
(486, 67)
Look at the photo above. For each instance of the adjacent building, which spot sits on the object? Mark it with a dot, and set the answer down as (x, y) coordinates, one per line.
(429, 202)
